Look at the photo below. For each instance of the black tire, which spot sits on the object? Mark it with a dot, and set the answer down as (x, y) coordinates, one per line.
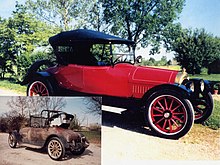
(203, 108)
(12, 141)
(78, 151)
(169, 114)
(41, 86)
(55, 148)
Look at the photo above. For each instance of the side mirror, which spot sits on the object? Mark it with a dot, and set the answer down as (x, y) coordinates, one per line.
(138, 59)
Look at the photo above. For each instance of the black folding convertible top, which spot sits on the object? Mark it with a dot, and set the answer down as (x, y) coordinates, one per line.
(85, 36)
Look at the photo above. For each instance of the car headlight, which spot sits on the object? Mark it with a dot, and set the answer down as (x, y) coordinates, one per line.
(190, 85)
(181, 76)
(202, 85)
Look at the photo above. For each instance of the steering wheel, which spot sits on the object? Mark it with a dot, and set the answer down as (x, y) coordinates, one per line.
(36, 125)
(117, 61)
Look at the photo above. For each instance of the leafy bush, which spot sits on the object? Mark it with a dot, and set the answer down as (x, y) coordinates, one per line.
(24, 61)
(216, 86)
(10, 123)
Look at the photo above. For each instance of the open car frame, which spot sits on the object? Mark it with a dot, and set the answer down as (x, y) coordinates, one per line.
(94, 63)
(50, 131)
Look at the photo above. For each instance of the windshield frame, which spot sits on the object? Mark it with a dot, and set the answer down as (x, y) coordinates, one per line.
(113, 53)
(131, 53)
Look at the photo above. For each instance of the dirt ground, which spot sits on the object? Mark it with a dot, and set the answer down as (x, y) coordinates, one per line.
(122, 141)
(4, 92)
(26, 156)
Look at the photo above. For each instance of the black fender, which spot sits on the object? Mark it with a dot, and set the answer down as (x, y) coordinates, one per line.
(181, 89)
(32, 71)
(16, 134)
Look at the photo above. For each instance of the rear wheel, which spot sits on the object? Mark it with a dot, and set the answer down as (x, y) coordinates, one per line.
(12, 141)
(203, 108)
(168, 114)
(40, 87)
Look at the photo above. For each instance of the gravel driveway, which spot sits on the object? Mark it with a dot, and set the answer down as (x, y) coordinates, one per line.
(4, 92)
(123, 140)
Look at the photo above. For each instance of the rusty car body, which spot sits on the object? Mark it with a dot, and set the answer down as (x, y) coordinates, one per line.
(50, 130)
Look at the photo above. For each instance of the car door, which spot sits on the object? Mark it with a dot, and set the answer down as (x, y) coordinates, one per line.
(37, 136)
(107, 80)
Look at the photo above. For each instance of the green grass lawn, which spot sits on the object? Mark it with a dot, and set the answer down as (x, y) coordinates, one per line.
(211, 77)
(214, 120)
(5, 84)
(93, 136)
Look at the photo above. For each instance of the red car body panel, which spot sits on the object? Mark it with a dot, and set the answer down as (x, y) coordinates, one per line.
(120, 80)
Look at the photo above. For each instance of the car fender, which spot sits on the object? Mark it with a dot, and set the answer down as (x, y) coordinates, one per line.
(62, 138)
(32, 71)
(175, 87)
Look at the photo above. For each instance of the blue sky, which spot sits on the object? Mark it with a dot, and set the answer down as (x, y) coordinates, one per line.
(75, 105)
(196, 14)
(202, 14)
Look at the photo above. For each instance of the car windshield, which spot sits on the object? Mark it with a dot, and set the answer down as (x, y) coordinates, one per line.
(96, 54)
(107, 54)
(60, 118)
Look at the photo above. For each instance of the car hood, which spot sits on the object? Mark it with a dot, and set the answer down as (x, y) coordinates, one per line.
(70, 135)
(152, 75)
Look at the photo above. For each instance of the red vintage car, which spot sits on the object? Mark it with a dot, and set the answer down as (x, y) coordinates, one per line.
(94, 63)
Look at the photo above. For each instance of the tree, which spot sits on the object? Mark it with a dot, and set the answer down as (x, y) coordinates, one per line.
(19, 105)
(76, 124)
(7, 49)
(19, 36)
(194, 49)
(163, 61)
(29, 34)
(93, 17)
(25, 106)
(61, 13)
(53, 103)
(141, 21)
(93, 105)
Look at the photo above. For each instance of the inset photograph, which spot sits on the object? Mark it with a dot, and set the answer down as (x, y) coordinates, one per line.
(50, 130)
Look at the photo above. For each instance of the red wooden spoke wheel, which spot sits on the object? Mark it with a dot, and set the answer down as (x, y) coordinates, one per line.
(40, 87)
(168, 114)
(37, 88)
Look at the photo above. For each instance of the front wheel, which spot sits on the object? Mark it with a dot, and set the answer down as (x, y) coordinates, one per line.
(55, 148)
(78, 151)
(40, 87)
(169, 114)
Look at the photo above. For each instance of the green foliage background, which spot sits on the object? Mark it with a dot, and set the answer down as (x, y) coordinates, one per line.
(150, 23)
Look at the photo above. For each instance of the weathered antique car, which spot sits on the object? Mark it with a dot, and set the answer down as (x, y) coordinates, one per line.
(50, 130)
(95, 63)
